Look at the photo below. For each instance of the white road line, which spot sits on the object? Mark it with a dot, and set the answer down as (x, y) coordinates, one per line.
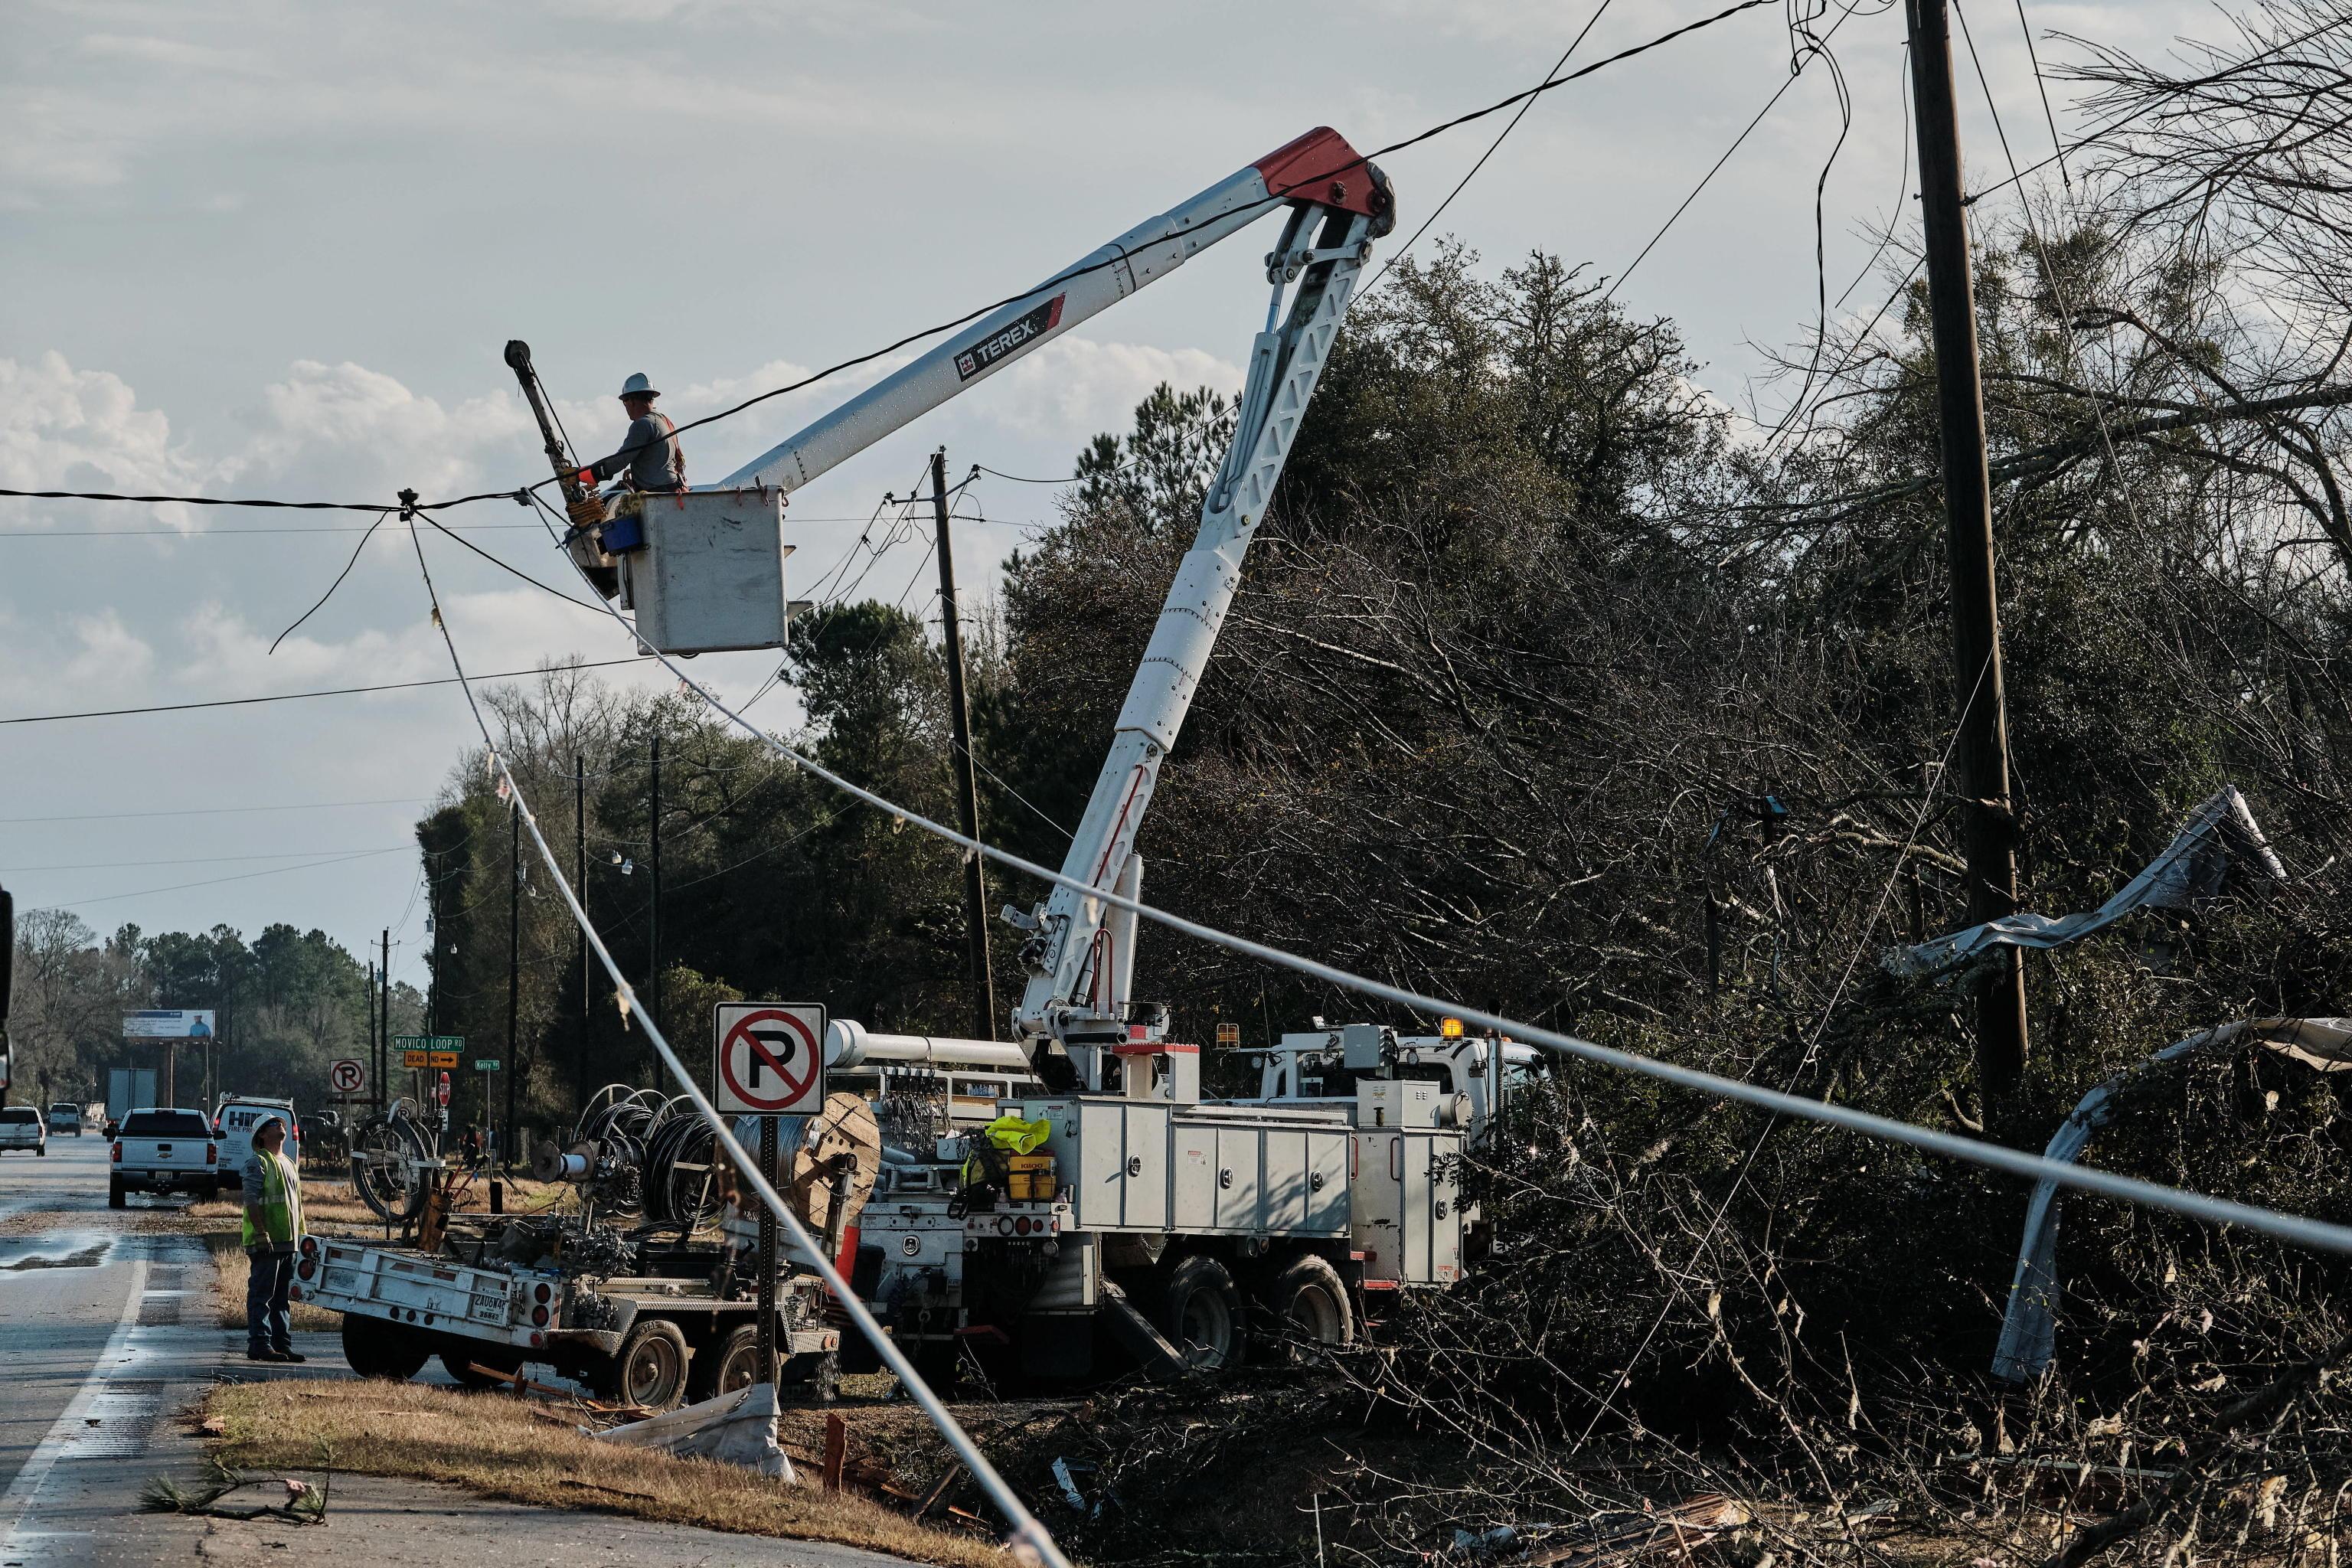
(17, 1502)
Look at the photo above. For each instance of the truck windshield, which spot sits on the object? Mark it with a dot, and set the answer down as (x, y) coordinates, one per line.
(166, 1124)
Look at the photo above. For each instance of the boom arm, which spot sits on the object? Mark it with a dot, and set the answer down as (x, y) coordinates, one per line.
(1074, 997)
(1319, 168)
(1072, 1011)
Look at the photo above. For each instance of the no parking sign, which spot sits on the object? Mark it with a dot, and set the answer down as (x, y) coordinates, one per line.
(771, 1057)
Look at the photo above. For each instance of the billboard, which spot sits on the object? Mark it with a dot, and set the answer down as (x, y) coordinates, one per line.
(168, 1023)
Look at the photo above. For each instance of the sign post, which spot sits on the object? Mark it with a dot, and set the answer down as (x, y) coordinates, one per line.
(347, 1077)
(769, 1062)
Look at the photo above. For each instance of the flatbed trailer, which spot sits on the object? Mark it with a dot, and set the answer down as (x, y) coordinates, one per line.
(671, 1326)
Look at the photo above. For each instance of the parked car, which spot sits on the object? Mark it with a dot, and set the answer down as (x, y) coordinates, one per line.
(164, 1150)
(65, 1116)
(21, 1131)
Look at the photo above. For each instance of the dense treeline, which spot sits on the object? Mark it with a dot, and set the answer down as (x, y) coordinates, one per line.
(285, 1004)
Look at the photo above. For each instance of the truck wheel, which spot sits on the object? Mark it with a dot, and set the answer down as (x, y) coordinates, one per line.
(378, 1349)
(114, 1196)
(649, 1369)
(460, 1364)
(1304, 1304)
(1201, 1313)
(728, 1367)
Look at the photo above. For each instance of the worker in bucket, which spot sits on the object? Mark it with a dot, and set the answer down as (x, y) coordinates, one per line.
(273, 1230)
(650, 455)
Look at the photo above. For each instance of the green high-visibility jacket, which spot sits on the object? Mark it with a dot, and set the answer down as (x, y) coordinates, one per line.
(280, 1206)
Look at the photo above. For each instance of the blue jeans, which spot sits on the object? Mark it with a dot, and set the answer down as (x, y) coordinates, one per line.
(267, 1289)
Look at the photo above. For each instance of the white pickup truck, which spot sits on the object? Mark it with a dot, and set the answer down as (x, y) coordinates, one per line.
(159, 1150)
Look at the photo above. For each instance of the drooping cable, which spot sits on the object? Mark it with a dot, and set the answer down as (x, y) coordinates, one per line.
(1027, 1536)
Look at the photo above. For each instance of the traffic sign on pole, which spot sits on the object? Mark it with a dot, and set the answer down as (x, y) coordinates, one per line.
(771, 1057)
(347, 1076)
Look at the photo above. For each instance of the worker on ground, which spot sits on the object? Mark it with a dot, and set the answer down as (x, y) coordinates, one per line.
(650, 453)
(273, 1231)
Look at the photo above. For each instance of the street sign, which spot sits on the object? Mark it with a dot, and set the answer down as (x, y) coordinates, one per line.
(771, 1057)
(430, 1042)
(441, 1059)
(443, 1092)
(414, 1058)
(486, 1064)
(347, 1076)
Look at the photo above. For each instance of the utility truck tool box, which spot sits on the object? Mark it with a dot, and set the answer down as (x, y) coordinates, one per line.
(1141, 1165)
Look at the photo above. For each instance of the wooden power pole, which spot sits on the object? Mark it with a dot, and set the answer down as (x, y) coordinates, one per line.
(1981, 749)
(967, 787)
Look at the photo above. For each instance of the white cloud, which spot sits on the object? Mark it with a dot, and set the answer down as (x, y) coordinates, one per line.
(1074, 386)
(110, 653)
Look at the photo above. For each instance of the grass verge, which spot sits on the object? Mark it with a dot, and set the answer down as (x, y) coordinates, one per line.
(525, 1451)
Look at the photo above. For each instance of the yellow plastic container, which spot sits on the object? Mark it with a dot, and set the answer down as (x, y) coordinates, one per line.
(1032, 1179)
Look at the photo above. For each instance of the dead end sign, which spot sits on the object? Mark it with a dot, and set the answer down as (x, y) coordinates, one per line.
(771, 1057)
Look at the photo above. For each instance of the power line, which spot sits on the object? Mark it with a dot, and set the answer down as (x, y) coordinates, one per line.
(214, 881)
(1676, 217)
(290, 697)
(1400, 253)
(1272, 199)
(323, 531)
(221, 810)
(200, 859)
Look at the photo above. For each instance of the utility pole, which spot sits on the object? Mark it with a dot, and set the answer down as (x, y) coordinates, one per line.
(1981, 749)
(975, 881)
(514, 973)
(653, 922)
(383, 1036)
(580, 891)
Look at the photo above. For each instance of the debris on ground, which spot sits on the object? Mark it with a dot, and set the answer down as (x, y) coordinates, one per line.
(736, 1428)
(232, 1494)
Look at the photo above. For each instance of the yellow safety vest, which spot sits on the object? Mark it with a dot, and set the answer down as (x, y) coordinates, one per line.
(281, 1204)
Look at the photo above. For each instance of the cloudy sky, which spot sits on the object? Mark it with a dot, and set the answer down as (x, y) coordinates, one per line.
(264, 249)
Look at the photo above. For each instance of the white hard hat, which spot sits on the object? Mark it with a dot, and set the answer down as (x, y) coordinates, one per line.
(638, 387)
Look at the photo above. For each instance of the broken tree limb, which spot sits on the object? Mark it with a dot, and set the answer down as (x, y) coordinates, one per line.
(2263, 1404)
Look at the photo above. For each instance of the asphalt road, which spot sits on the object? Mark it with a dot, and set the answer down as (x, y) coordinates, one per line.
(109, 1332)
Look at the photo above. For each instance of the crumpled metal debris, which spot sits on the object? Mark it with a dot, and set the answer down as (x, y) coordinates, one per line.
(2220, 844)
(736, 1428)
(2029, 1330)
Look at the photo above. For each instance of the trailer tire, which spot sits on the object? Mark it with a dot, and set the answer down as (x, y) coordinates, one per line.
(459, 1364)
(649, 1369)
(378, 1349)
(1201, 1312)
(1305, 1303)
(728, 1367)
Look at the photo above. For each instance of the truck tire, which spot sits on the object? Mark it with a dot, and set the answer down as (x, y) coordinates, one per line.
(1305, 1303)
(114, 1197)
(649, 1369)
(460, 1364)
(732, 1364)
(377, 1349)
(1201, 1313)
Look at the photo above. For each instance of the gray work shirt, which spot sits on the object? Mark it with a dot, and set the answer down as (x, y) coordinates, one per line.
(650, 453)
